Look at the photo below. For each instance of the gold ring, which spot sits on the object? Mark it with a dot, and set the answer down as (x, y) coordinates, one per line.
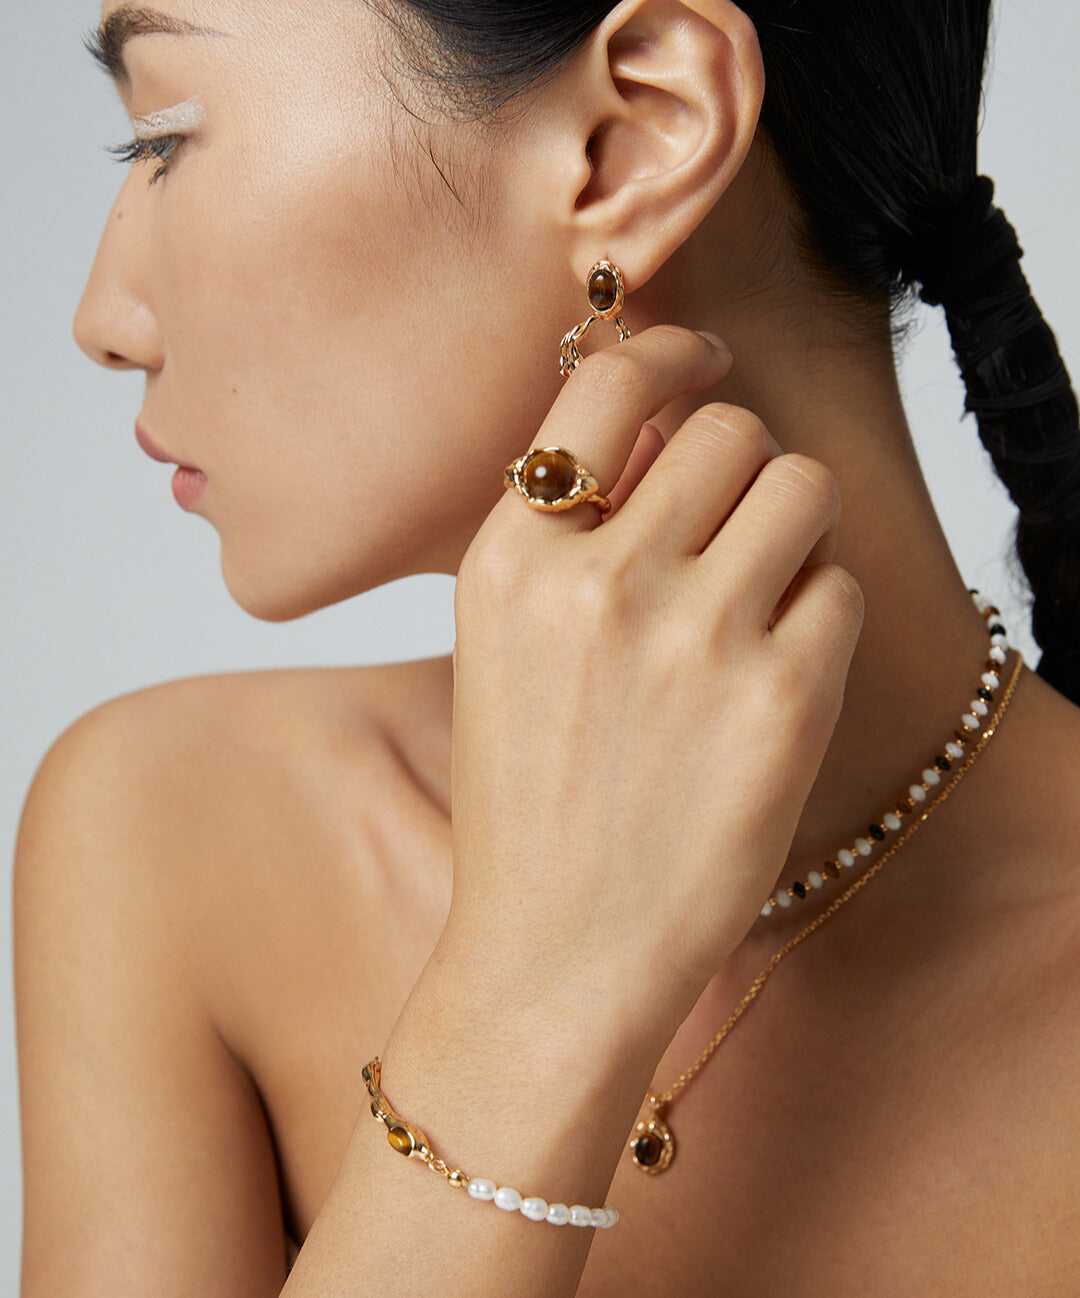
(551, 478)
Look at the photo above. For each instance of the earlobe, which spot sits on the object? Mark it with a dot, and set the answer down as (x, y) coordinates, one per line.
(675, 95)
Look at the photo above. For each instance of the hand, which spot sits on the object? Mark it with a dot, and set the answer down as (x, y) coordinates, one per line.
(642, 703)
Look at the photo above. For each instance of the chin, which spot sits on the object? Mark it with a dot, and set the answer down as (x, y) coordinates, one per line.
(285, 591)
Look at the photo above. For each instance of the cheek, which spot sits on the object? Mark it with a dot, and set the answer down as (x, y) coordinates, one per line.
(358, 368)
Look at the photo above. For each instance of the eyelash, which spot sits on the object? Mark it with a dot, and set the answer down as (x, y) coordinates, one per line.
(161, 146)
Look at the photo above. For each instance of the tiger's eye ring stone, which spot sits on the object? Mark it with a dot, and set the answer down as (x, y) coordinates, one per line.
(549, 475)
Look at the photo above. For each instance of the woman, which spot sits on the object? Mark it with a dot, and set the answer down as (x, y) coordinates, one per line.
(684, 724)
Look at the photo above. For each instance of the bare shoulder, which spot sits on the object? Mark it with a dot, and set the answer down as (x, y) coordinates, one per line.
(178, 846)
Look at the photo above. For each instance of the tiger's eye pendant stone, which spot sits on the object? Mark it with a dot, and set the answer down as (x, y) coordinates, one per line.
(549, 475)
(652, 1146)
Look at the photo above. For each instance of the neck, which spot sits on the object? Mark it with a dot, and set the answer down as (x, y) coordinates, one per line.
(923, 644)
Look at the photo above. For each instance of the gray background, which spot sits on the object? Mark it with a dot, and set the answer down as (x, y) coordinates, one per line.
(108, 586)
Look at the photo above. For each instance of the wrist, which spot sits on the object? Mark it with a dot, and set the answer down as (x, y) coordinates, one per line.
(513, 1088)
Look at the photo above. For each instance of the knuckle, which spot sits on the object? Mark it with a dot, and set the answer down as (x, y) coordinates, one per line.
(598, 589)
(734, 426)
(802, 472)
(847, 590)
(489, 570)
(621, 371)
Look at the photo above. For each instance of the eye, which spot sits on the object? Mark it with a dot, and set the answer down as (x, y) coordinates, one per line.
(158, 146)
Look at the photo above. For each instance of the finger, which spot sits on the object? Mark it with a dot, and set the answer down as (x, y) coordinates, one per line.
(599, 412)
(706, 467)
(648, 446)
(822, 616)
(791, 505)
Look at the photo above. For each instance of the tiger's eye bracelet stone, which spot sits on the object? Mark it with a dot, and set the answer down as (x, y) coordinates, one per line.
(408, 1139)
(892, 820)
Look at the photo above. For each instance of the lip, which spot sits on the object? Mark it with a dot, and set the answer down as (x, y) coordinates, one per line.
(153, 450)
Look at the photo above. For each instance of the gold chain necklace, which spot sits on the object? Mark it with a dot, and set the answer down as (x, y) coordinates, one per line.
(652, 1146)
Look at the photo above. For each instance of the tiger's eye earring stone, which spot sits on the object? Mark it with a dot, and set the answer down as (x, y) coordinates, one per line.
(549, 475)
(603, 288)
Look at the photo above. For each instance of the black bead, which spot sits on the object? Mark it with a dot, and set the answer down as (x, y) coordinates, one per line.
(799, 889)
(943, 763)
(984, 694)
(876, 832)
(997, 629)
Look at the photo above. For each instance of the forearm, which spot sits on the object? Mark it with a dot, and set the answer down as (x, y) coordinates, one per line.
(538, 1099)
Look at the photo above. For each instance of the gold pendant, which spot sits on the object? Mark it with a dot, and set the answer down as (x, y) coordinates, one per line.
(652, 1146)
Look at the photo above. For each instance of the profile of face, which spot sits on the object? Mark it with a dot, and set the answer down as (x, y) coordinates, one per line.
(349, 353)
(348, 304)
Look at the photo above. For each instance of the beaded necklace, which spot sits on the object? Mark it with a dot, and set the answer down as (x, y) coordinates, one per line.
(652, 1145)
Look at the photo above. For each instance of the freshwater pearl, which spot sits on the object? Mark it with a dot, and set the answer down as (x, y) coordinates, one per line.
(954, 750)
(558, 1214)
(815, 879)
(783, 897)
(863, 847)
(845, 857)
(481, 1189)
(979, 707)
(534, 1209)
(991, 680)
(580, 1215)
(507, 1198)
(917, 792)
(997, 654)
(892, 820)
(930, 776)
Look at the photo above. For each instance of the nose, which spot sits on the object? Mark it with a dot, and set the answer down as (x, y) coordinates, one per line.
(115, 323)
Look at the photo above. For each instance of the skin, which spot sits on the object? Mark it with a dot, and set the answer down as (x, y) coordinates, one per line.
(334, 304)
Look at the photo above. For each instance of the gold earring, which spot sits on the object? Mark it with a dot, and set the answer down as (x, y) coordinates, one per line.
(606, 291)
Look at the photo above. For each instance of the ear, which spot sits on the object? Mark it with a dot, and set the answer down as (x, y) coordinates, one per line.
(666, 99)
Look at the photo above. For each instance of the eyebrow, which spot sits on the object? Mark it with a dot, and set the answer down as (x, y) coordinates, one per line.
(106, 43)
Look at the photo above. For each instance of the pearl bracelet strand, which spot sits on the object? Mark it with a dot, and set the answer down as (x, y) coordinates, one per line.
(890, 822)
(408, 1139)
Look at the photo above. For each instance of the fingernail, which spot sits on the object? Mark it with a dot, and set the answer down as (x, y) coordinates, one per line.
(716, 341)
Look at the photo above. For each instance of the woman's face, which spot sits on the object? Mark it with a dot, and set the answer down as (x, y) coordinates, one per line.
(349, 353)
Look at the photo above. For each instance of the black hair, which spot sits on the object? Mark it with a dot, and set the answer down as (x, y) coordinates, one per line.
(872, 112)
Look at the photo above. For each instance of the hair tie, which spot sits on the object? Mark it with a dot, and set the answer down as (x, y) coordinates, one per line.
(970, 240)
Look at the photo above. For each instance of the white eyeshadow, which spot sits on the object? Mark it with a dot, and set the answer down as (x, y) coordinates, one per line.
(184, 116)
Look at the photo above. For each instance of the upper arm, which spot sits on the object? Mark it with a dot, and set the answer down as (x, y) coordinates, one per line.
(148, 1167)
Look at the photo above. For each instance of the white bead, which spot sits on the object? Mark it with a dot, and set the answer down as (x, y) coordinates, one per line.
(508, 1198)
(610, 1217)
(979, 707)
(930, 776)
(783, 898)
(917, 792)
(997, 655)
(845, 857)
(815, 879)
(534, 1209)
(580, 1215)
(613, 1213)
(970, 721)
(480, 1189)
(981, 602)
(999, 640)
(990, 680)
(767, 909)
(863, 847)
(599, 1218)
(954, 750)
(892, 820)
(558, 1214)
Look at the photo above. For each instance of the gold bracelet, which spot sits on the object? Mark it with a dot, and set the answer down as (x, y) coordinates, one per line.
(410, 1140)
